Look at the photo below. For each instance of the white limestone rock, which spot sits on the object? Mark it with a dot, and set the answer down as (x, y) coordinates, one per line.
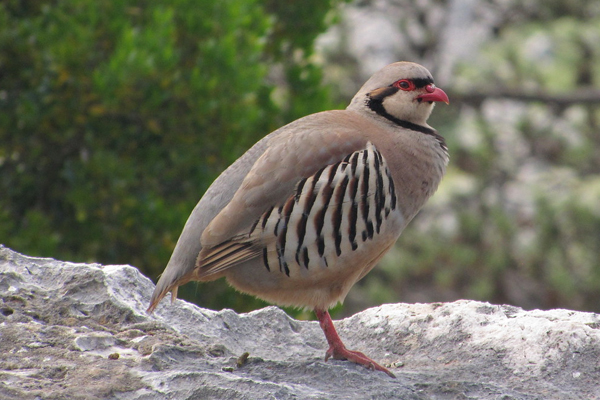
(79, 331)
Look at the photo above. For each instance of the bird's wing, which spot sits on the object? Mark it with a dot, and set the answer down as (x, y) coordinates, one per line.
(290, 159)
(358, 187)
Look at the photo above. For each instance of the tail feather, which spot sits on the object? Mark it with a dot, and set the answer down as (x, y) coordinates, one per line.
(174, 294)
(164, 286)
(158, 296)
(211, 263)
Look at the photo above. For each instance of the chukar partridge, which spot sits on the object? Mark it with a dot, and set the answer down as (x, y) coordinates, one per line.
(312, 207)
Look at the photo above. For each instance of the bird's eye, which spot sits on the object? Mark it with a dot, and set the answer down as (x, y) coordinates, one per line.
(404, 84)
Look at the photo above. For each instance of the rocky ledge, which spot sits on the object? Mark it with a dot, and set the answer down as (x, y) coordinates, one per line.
(80, 331)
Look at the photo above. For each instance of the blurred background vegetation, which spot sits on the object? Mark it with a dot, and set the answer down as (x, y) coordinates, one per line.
(116, 116)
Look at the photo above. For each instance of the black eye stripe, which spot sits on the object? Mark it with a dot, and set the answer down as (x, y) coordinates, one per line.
(382, 93)
(419, 82)
(422, 82)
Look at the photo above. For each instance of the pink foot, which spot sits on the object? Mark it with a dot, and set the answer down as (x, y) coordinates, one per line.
(338, 351)
(356, 357)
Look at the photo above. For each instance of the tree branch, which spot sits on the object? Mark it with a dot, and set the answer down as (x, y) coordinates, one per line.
(581, 96)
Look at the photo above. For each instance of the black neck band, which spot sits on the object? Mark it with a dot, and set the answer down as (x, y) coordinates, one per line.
(376, 104)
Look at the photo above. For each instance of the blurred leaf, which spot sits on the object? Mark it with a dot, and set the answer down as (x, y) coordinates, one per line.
(116, 116)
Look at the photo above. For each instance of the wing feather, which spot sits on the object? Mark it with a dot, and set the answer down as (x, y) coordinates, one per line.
(281, 230)
(299, 153)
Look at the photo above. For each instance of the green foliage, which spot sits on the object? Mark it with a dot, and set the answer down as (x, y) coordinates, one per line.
(116, 116)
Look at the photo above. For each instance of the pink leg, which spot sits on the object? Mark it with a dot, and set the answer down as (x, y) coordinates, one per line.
(338, 351)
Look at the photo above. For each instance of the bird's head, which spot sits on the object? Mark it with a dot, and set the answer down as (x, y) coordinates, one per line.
(403, 91)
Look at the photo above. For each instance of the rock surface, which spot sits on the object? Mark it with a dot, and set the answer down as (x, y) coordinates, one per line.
(80, 331)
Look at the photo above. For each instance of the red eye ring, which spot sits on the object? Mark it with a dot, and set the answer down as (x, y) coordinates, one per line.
(404, 84)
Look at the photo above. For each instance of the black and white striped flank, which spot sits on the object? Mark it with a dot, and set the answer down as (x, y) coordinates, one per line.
(330, 214)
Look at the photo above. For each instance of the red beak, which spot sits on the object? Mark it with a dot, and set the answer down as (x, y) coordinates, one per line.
(434, 94)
